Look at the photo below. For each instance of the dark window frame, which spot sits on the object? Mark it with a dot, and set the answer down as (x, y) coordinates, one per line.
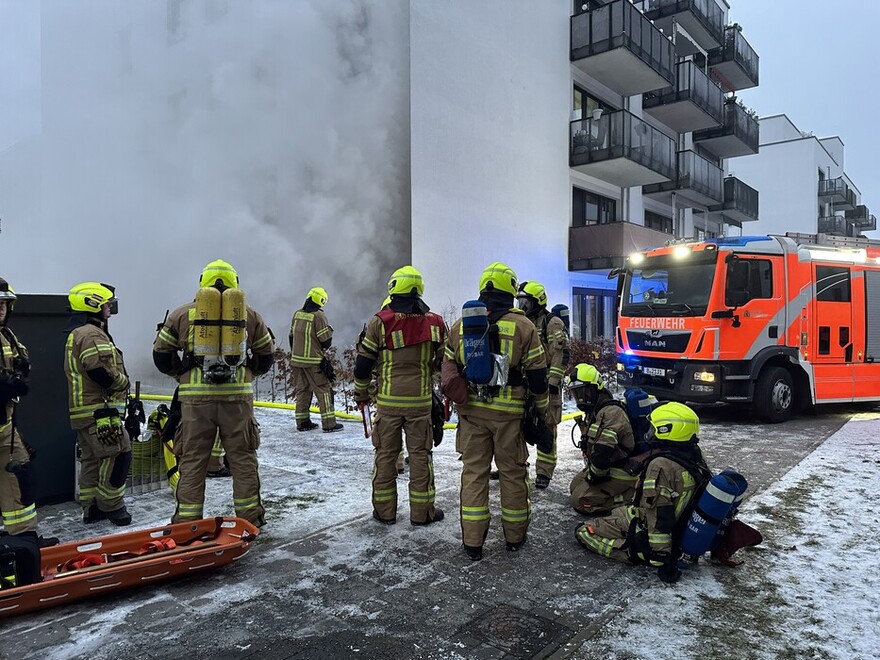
(831, 286)
(606, 208)
(755, 275)
(659, 222)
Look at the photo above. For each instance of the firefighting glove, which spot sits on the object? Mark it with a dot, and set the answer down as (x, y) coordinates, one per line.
(667, 571)
(109, 426)
(22, 366)
(361, 397)
(12, 386)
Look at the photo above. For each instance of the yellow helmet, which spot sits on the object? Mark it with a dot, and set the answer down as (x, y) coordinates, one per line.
(386, 302)
(219, 271)
(586, 374)
(91, 296)
(6, 293)
(674, 422)
(318, 296)
(534, 290)
(500, 276)
(405, 280)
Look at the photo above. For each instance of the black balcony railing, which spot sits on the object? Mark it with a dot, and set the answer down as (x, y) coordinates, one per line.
(737, 50)
(691, 84)
(740, 198)
(862, 218)
(621, 134)
(836, 225)
(739, 123)
(607, 245)
(837, 191)
(620, 25)
(698, 174)
(707, 13)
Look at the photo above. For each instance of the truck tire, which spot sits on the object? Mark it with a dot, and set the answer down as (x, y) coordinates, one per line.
(774, 395)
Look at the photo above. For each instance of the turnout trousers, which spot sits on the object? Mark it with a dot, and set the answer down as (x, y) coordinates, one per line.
(16, 491)
(388, 430)
(600, 498)
(545, 464)
(608, 536)
(308, 381)
(478, 440)
(193, 442)
(103, 470)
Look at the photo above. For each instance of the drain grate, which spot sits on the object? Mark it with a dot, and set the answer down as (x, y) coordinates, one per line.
(517, 632)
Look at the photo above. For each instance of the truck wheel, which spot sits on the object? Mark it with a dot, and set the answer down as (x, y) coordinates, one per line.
(774, 395)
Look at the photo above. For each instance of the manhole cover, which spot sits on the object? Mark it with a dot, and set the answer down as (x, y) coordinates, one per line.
(517, 632)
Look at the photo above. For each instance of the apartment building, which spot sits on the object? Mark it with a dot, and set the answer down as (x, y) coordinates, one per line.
(655, 114)
(811, 192)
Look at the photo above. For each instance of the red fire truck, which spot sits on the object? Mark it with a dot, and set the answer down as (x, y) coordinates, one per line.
(752, 319)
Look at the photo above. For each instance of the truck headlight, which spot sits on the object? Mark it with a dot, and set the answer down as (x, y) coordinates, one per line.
(704, 376)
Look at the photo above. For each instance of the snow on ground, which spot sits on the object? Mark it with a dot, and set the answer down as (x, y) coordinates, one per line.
(812, 590)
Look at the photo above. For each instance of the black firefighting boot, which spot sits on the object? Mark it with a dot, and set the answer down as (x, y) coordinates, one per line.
(337, 427)
(120, 517)
(306, 425)
(514, 547)
(438, 516)
(42, 541)
(93, 514)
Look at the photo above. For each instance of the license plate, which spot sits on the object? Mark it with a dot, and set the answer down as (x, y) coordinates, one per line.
(653, 371)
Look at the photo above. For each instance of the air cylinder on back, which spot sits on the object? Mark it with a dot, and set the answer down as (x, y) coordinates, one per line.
(232, 331)
(721, 496)
(479, 364)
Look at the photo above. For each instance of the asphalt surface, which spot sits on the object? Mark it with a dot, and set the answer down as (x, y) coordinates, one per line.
(325, 581)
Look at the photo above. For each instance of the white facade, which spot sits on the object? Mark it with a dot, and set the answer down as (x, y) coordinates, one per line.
(788, 169)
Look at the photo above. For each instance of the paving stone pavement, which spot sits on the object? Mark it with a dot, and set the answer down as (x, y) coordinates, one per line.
(325, 581)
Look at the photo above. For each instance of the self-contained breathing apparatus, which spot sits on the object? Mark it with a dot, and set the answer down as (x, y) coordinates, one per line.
(220, 337)
(485, 367)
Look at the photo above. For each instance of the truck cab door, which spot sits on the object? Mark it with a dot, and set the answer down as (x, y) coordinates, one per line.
(832, 344)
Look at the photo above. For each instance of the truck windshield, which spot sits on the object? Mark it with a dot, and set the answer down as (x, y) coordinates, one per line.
(666, 286)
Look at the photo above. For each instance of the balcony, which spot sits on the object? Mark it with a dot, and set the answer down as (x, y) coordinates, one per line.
(740, 203)
(735, 64)
(618, 46)
(699, 183)
(702, 19)
(607, 246)
(737, 136)
(621, 149)
(837, 193)
(861, 218)
(836, 225)
(693, 103)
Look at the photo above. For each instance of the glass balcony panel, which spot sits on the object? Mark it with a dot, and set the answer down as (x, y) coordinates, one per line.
(735, 64)
(695, 102)
(702, 19)
(738, 136)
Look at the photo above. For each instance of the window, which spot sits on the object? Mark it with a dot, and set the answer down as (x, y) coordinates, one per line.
(591, 209)
(748, 279)
(832, 284)
(584, 104)
(701, 234)
(593, 313)
(658, 222)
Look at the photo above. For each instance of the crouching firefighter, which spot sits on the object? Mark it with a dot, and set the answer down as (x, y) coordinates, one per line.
(671, 473)
(402, 344)
(606, 443)
(98, 386)
(492, 360)
(213, 347)
(16, 484)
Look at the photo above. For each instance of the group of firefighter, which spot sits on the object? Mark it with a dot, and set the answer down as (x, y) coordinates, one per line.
(215, 345)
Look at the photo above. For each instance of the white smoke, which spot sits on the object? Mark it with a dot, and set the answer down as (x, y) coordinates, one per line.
(272, 134)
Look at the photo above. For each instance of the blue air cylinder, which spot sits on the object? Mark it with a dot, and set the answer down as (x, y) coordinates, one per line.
(479, 364)
(722, 496)
(561, 311)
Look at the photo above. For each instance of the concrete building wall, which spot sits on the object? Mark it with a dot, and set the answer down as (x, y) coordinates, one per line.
(490, 103)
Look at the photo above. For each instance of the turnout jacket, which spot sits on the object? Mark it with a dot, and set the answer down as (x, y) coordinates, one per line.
(89, 347)
(519, 340)
(663, 496)
(555, 341)
(10, 349)
(405, 348)
(609, 440)
(310, 334)
(176, 336)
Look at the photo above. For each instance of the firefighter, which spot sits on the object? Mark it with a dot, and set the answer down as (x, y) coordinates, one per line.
(310, 336)
(644, 531)
(491, 426)
(16, 486)
(98, 386)
(532, 300)
(215, 400)
(402, 343)
(607, 441)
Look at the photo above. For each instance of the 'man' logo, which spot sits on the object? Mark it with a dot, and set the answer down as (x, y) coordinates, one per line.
(655, 343)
